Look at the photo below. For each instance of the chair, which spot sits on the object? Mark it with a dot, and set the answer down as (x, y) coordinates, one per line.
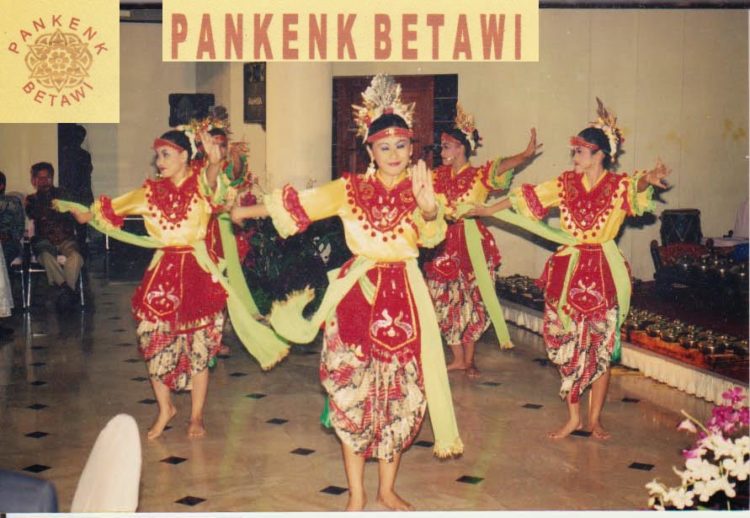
(32, 266)
(109, 481)
(21, 493)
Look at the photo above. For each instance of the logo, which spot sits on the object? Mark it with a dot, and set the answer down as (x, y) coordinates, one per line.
(60, 55)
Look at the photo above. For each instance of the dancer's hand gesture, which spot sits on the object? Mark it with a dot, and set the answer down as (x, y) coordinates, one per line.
(421, 184)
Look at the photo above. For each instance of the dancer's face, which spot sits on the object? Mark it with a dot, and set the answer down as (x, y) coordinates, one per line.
(222, 143)
(391, 154)
(584, 160)
(452, 153)
(171, 163)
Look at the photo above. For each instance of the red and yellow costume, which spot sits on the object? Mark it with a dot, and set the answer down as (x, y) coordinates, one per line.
(179, 304)
(374, 365)
(450, 275)
(581, 311)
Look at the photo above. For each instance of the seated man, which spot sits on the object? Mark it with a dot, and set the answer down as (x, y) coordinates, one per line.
(53, 235)
(11, 223)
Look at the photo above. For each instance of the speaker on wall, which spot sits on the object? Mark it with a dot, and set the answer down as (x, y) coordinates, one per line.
(184, 107)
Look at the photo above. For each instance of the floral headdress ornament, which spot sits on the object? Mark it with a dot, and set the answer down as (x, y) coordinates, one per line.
(466, 125)
(383, 96)
(217, 118)
(607, 122)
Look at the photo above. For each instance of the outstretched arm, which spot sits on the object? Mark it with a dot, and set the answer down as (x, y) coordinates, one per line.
(532, 149)
(213, 153)
(240, 214)
(655, 177)
(81, 217)
(489, 210)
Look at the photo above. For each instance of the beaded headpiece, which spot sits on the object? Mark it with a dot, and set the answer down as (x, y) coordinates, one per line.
(464, 122)
(218, 118)
(607, 122)
(383, 96)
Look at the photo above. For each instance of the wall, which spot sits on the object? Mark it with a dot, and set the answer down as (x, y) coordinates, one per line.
(678, 81)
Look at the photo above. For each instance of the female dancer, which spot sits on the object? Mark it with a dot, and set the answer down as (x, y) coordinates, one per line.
(382, 360)
(587, 283)
(179, 304)
(460, 279)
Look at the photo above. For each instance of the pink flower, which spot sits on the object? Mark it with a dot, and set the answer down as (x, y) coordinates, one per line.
(734, 395)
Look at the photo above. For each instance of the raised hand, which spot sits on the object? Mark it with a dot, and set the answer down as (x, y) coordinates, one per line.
(421, 185)
(533, 148)
(213, 152)
(657, 175)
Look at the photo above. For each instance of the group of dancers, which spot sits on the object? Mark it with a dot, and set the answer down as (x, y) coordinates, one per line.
(382, 373)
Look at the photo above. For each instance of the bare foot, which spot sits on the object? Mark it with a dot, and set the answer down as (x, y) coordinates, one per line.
(472, 372)
(570, 426)
(598, 432)
(196, 429)
(356, 502)
(162, 420)
(456, 366)
(394, 502)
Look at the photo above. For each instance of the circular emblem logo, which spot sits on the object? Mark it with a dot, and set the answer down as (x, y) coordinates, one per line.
(59, 60)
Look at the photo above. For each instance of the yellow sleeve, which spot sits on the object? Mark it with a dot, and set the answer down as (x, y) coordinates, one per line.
(111, 212)
(638, 203)
(292, 211)
(494, 177)
(532, 201)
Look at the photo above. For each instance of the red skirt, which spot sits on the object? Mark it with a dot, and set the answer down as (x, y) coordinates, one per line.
(178, 291)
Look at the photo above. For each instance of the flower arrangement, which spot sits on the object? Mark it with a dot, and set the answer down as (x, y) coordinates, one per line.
(717, 466)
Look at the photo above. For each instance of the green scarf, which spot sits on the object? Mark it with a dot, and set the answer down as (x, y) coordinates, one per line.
(260, 341)
(486, 282)
(612, 254)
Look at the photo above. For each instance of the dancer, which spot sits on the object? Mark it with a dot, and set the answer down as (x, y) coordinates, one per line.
(179, 304)
(587, 282)
(461, 274)
(382, 361)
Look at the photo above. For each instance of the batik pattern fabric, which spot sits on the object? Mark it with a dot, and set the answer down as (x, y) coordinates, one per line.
(581, 318)
(178, 304)
(450, 275)
(371, 364)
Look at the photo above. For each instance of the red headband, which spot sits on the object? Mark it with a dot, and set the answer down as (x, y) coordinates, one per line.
(446, 136)
(390, 132)
(578, 141)
(159, 142)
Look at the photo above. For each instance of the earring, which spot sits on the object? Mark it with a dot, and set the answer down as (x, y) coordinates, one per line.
(370, 173)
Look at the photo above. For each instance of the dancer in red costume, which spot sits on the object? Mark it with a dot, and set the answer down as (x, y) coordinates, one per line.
(586, 283)
(179, 305)
(461, 311)
(382, 362)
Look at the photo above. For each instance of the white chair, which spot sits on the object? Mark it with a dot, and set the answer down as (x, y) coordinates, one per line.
(110, 479)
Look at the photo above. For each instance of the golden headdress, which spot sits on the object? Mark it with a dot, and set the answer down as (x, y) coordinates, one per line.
(217, 118)
(607, 122)
(383, 96)
(465, 123)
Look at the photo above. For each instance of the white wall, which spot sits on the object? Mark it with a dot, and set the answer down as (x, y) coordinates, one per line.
(121, 153)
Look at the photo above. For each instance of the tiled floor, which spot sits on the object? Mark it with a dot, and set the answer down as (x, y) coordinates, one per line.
(63, 378)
